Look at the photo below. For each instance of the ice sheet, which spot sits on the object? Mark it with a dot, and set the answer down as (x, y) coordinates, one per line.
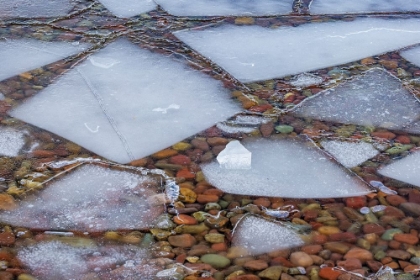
(128, 8)
(34, 8)
(349, 154)
(253, 53)
(226, 7)
(285, 168)
(362, 6)
(20, 55)
(125, 103)
(373, 99)
(91, 198)
(11, 142)
(235, 156)
(259, 236)
(412, 55)
(406, 170)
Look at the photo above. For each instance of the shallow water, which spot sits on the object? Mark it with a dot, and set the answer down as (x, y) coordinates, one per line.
(112, 118)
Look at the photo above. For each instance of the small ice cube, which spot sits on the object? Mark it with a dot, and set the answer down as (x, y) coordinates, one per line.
(235, 156)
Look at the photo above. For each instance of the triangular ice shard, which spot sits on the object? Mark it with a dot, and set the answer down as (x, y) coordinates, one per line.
(412, 55)
(259, 236)
(129, 8)
(34, 8)
(285, 168)
(20, 55)
(373, 99)
(362, 6)
(226, 7)
(125, 102)
(405, 170)
(235, 156)
(252, 53)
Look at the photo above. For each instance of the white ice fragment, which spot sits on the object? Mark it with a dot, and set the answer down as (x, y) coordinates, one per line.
(226, 7)
(406, 169)
(364, 210)
(331, 43)
(305, 80)
(362, 6)
(285, 168)
(11, 142)
(231, 128)
(249, 120)
(378, 208)
(375, 98)
(21, 55)
(59, 233)
(129, 8)
(259, 236)
(110, 110)
(349, 154)
(34, 8)
(234, 156)
(165, 110)
(380, 186)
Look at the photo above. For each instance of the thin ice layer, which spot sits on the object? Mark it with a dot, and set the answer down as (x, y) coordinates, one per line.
(253, 53)
(128, 8)
(34, 8)
(259, 236)
(373, 99)
(91, 198)
(406, 170)
(412, 55)
(11, 142)
(21, 55)
(349, 154)
(285, 168)
(125, 102)
(226, 7)
(362, 6)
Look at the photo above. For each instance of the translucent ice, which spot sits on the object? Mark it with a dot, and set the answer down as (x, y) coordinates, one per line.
(129, 8)
(259, 236)
(406, 170)
(285, 168)
(373, 99)
(114, 111)
(242, 124)
(305, 79)
(34, 8)
(350, 154)
(234, 156)
(362, 6)
(91, 198)
(412, 55)
(252, 53)
(20, 55)
(11, 142)
(226, 7)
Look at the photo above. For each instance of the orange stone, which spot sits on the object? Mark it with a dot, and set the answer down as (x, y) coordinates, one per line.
(262, 201)
(7, 238)
(384, 134)
(329, 273)
(205, 198)
(185, 173)
(180, 159)
(406, 238)
(183, 219)
(7, 202)
(165, 154)
(403, 139)
(219, 247)
(139, 162)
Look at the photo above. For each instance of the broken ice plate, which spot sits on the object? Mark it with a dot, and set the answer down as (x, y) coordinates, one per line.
(234, 156)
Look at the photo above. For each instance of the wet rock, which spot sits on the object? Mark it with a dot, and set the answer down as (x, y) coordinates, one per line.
(215, 260)
(284, 129)
(187, 195)
(358, 253)
(398, 254)
(255, 265)
(7, 238)
(214, 238)
(411, 208)
(312, 249)
(301, 259)
(180, 159)
(355, 202)
(329, 273)
(406, 238)
(193, 229)
(183, 219)
(391, 211)
(373, 228)
(272, 273)
(395, 200)
(350, 264)
(200, 143)
(164, 154)
(7, 202)
(328, 230)
(206, 198)
(183, 240)
(389, 234)
(336, 247)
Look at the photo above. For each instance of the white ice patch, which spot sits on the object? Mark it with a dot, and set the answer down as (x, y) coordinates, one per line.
(21, 55)
(253, 53)
(406, 170)
(285, 168)
(362, 6)
(111, 111)
(91, 198)
(34, 8)
(305, 80)
(412, 55)
(373, 99)
(350, 154)
(234, 156)
(11, 142)
(226, 7)
(128, 8)
(259, 236)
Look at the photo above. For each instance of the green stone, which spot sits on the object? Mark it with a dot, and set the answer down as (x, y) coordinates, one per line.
(272, 273)
(379, 255)
(212, 206)
(216, 261)
(284, 129)
(405, 276)
(398, 149)
(214, 237)
(388, 235)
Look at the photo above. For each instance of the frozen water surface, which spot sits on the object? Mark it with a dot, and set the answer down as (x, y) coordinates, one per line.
(253, 53)
(362, 6)
(91, 198)
(235, 156)
(21, 55)
(226, 7)
(129, 8)
(11, 142)
(34, 8)
(350, 154)
(412, 55)
(285, 168)
(406, 170)
(373, 99)
(125, 102)
(259, 236)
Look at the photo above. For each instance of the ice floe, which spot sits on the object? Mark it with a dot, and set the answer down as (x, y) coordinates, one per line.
(226, 7)
(140, 104)
(406, 170)
(305, 80)
(34, 8)
(412, 55)
(285, 168)
(235, 156)
(258, 236)
(91, 198)
(362, 6)
(373, 99)
(11, 142)
(253, 53)
(349, 154)
(128, 8)
(21, 55)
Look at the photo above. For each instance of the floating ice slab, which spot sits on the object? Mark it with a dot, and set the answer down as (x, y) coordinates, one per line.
(305, 80)
(34, 8)
(259, 236)
(253, 53)
(285, 168)
(412, 55)
(350, 154)
(226, 7)
(406, 170)
(11, 142)
(128, 8)
(235, 156)
(362, 6)
(125, 102)
(20, 55)
(373, 99)
(91, 198)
